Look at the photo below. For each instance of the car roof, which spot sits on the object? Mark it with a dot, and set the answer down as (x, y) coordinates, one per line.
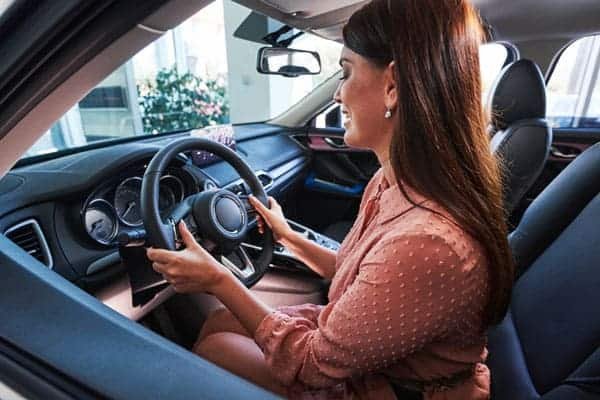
(512, 20)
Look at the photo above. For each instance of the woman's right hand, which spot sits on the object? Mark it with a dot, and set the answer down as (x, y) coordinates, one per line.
(273, 217)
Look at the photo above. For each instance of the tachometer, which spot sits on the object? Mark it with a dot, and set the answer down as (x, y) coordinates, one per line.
(127, 198)
(127, 201)
(171, 192)
(101, 221)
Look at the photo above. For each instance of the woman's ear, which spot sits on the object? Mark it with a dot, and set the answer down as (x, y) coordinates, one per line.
(390, 86)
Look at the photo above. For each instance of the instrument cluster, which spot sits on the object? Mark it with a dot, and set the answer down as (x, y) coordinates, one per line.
(116, 206)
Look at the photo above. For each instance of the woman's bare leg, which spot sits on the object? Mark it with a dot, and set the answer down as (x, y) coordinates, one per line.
(225, 342)
(221, 320)
(240, 355)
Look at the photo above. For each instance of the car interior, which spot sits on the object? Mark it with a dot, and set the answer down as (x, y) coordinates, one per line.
(86, 317)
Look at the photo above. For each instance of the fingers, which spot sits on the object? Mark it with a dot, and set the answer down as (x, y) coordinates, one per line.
(273, 203)
(266, 216)
(167, 273)
(258, 206)
(159, 267)
(186, 235)
(172, 275)
(263, 212)
(261, 225)
(159, 255)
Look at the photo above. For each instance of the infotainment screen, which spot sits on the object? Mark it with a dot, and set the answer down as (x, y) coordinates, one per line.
(223, 134)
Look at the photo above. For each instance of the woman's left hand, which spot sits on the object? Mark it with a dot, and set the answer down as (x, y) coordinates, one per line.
(190, 270)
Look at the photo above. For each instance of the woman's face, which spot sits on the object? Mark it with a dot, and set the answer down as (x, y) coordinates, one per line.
(362, 96)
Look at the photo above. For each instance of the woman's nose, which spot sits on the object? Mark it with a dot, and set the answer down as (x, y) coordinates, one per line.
(336, 96)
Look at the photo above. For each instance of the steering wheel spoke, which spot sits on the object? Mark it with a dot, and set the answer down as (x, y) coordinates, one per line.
(181, 210)
(239, 263)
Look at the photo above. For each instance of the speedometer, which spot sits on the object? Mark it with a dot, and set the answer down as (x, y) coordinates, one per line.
(128, 198)
(127, 201)
(100, 221)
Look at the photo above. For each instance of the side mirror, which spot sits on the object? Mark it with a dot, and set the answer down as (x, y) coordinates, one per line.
(290, 63)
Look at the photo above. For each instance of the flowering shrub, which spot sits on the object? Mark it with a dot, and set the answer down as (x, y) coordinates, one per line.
(177, 102)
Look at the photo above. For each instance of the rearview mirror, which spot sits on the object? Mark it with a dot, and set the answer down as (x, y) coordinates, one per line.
(288, 62)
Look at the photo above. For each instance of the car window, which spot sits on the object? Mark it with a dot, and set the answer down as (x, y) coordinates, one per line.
(574, 87)
(492, 58)
(197, 74)
(6, 392)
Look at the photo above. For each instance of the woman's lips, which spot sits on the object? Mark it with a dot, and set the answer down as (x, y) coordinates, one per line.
(346, 119)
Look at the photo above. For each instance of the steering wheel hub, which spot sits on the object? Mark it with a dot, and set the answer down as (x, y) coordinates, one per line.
(230, 214)
(221, 217)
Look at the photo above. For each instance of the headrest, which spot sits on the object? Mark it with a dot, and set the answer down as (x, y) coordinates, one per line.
(518, 93)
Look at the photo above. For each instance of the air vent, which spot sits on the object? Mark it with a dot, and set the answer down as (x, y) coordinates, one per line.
(29, 236)
(238, 189)
(265, 179)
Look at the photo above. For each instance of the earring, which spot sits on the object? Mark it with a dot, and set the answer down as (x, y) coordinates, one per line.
(388, 114)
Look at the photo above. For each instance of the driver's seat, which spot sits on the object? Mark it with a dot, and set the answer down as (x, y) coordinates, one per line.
(548, 345)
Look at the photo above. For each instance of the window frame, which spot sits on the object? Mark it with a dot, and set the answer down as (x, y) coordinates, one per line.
(550, 72)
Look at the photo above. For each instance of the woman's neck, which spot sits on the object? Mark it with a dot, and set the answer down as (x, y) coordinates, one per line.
(388, 171)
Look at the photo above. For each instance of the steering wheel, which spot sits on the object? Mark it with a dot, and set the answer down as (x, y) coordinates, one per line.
(218, 218)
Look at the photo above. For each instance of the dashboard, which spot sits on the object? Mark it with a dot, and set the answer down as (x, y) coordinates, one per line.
(75, 208)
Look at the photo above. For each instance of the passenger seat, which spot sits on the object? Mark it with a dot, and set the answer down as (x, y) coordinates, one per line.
(521, 135)
(548, 346)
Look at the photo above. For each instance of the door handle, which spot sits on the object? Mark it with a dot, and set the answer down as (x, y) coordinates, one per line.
(559, 154)
(335, 143)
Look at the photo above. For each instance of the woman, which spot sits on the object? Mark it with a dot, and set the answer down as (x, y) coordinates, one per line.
(426, 267)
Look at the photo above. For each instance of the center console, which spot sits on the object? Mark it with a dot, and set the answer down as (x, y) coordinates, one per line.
(283, 257)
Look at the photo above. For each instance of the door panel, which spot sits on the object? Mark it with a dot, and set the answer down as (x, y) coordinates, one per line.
(567, 144)
(338, 175)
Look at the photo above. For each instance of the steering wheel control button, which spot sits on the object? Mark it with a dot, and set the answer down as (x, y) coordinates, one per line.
(209, 185)
(229, 214)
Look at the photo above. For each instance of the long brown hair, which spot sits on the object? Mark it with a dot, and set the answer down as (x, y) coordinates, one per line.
(440, 147)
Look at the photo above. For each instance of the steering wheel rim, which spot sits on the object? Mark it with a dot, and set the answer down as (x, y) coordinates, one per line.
(162, 234)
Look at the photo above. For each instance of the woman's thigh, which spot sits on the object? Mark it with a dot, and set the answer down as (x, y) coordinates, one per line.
(221, 320)
(240, 355)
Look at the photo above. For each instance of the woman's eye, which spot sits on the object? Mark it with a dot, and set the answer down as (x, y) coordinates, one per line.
(344, 77)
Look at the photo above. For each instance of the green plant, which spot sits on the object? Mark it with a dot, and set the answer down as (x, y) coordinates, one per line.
(174, 101)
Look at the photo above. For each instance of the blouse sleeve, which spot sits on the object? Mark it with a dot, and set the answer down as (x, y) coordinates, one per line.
(410, 291)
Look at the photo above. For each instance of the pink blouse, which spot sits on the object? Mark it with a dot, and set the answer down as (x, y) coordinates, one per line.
(406, 302)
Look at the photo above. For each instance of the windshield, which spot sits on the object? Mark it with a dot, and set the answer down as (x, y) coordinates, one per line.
(196, 75)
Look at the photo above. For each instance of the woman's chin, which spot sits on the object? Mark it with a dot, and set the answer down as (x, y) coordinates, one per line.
(350, 137)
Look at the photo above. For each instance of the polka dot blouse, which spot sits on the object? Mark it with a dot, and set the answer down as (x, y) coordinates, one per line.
(406, 303)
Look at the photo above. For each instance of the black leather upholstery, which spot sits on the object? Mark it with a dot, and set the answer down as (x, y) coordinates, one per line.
(518, 93)
(560, 202)
(522, 137)
(548, 345)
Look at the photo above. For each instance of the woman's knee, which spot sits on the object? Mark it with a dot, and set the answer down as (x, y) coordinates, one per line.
(226, 348)
(221, 320)
(240, 355)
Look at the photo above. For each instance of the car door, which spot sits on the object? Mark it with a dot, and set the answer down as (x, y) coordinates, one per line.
(337, 176)
(573, 108)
